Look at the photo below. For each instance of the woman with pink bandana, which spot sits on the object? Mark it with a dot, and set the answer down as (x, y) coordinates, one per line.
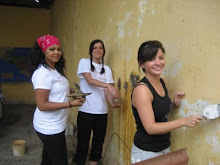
(51, 88)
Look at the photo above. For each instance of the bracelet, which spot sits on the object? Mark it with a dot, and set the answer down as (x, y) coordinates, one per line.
(70, 104)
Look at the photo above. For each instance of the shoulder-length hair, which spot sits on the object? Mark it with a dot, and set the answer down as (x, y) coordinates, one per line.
(148, 50)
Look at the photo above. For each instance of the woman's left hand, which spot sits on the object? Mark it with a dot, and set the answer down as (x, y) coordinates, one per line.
(112, 88)
(178, 97)
(77, 102)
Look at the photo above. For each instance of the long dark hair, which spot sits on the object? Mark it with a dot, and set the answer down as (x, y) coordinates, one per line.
(91, 47)
(148, 50)
(38, 57)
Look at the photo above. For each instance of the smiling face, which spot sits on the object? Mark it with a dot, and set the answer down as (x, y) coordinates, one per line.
(155, 66)
(52, 55)
(98, 52)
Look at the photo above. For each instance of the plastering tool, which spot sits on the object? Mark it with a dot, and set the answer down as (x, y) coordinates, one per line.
(212, 111)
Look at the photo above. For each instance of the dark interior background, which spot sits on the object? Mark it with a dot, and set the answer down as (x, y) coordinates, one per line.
(46, 4)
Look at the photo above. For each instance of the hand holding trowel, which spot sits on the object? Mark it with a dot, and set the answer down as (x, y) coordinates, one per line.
(212, 111)
(78, 93)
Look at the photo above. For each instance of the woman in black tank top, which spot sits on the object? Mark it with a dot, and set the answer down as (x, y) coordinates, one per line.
(151, 105)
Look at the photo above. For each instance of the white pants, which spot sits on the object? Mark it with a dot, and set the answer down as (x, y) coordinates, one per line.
(138, 155)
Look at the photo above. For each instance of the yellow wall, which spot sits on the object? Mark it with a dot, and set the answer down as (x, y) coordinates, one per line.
(189, 30)
(19, 28)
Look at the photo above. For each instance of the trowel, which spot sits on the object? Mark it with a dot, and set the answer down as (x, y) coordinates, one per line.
(78, 94)
(212, 111)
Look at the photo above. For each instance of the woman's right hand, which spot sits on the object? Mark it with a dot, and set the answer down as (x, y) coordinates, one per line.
(77, 102)
(193, 120)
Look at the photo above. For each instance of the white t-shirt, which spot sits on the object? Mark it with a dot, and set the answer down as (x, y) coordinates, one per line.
(95, 102)
(51, 122)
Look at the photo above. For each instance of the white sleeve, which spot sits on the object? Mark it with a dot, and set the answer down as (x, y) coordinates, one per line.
(42, 80)
(83, 67)
(109, 79)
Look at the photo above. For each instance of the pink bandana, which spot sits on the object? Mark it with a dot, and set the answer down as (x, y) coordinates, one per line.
(46, 41)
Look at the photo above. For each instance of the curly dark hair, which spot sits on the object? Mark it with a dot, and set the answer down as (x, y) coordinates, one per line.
(91, 47)
(148, 50)
(38, 57)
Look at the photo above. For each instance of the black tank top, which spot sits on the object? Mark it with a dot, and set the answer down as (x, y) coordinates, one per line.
(161, 107)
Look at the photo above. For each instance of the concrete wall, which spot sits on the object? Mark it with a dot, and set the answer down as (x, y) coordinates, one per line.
(19, 28)
(189, 30)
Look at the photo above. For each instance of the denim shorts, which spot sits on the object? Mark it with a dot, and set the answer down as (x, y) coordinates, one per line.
(138, 155)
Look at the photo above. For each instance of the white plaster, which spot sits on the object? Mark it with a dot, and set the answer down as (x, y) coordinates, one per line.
(142, 6)
(212, 140)
(211, 111)
(122, 24)
(153, 12)
(140, 21)
(130, 33)
(186, 109)
(121, 33)
(172, 70)
(193, 108)
(128, 54)
(211, 163)
(142, 9)
(197, 109)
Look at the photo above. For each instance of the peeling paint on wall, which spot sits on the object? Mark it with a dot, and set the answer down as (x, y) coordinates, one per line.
(122, 25)
(213, 141)
(153, 12)
(193, 108)
(172, 70)
(134, 79)
(142, 9)
(119, 84)
(208, 130)
(143, 6)
(125, 86)
(211, 163)
(127, 53)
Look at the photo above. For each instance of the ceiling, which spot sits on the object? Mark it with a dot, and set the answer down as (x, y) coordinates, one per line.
(46, 4)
